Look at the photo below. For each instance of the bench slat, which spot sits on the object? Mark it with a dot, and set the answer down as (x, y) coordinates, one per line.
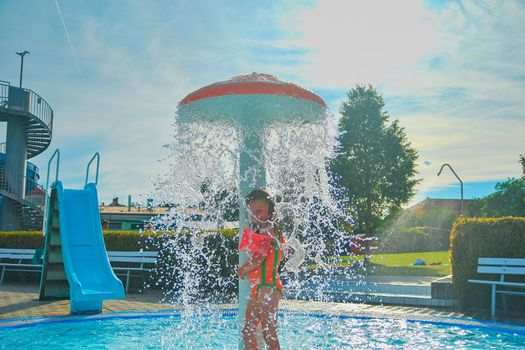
(510, 292)
(133, 254)
(132, 260)
(498, 283)
(19, 256)
(502, 270)
(14, 251)
(21, 265)
(501, 261)
(122, 268)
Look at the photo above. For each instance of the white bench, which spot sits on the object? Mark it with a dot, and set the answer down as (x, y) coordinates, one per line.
(141, 262)
(19, 260)
(503, 267)
(127, 263)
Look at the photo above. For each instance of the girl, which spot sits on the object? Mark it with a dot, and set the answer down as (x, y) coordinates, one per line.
(262, 268)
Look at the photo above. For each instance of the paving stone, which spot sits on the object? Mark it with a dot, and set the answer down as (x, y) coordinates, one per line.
(21, 301)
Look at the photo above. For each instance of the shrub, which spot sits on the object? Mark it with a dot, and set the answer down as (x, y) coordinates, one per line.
(205, 260)
(213, 256)
(114, 240)
(472, 238)
(21, 239)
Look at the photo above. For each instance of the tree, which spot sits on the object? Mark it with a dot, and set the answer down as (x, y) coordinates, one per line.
(522, 161)
(509, 198)
(376, 164)
(223, 202)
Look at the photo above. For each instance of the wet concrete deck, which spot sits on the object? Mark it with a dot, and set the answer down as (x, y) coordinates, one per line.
(21, 301)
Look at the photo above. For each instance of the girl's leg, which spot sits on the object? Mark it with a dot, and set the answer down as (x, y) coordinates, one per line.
(268, 305)
(251, 321)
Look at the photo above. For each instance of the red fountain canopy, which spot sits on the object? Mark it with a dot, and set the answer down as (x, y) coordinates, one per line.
(252, 84)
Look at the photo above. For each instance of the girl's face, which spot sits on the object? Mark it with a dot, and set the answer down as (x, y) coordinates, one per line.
(259, 211)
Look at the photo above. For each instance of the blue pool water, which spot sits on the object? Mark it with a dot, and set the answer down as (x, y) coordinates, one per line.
(219, 332)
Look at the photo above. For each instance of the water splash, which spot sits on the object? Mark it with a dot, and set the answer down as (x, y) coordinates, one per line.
(199, 257)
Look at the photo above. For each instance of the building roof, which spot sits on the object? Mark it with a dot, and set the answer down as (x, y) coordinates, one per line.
(434, 203)
(106, 209)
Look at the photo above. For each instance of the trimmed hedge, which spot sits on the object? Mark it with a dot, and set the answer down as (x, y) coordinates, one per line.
(22, 239)
(472, 238)
(195, 268)
(205, 260)
(114, 240)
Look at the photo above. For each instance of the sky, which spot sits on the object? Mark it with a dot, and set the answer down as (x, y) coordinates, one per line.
(451, 72)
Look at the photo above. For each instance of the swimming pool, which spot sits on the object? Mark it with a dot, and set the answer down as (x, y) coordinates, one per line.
(218, 330)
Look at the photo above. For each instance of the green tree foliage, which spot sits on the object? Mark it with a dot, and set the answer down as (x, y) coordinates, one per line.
(375, 163)
(522, 161)
(223, 201)
(508, 200)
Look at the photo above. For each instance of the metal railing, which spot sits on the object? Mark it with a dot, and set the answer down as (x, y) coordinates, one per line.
(4, 93)
(25, 100)
(10, 182)
(97, 156)
(35, 193)
(46, 190)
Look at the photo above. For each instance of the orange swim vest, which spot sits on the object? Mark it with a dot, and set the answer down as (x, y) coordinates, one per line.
(267, 273)
(255, 243)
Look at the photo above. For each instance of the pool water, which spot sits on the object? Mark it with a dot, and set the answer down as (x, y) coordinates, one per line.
(218, 331)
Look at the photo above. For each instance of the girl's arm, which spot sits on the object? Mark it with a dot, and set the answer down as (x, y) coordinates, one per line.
(254, 261)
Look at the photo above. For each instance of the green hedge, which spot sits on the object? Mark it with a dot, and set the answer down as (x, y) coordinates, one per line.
(472, 238)
(22, 239)
(210, 259)
(114, 240)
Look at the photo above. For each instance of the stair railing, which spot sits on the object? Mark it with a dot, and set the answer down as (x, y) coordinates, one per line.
(97, 155)
(47, 195)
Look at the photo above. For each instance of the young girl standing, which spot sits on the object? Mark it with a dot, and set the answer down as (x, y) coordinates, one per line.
(262, 269)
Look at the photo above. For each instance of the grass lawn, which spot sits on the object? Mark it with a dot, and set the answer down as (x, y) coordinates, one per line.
(400, 264)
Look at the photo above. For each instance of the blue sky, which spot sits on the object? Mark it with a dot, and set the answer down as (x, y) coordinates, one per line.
(452, 72)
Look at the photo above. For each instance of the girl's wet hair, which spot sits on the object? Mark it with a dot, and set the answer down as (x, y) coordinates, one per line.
(264, 195)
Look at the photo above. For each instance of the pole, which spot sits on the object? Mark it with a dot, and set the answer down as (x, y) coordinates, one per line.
(22, 54)
(460, 182)
(252, 176)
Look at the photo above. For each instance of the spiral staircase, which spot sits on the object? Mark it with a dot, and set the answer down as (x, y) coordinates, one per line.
(29, 126)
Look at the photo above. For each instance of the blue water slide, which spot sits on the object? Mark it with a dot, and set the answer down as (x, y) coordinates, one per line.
(91, 279)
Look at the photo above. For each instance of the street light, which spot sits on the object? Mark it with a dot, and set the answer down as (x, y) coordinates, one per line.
(460, 182)
(22, 54)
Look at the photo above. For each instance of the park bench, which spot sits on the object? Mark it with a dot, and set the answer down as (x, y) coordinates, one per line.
(502, 267)
(132, 264)
(124, 263)
(20, 260)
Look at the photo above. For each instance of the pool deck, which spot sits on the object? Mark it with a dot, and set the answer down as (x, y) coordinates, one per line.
(21, 301)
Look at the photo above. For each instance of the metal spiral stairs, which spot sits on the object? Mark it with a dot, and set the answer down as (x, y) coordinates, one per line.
(36, 115)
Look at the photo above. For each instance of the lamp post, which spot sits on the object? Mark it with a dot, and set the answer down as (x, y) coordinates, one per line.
(22, 54)
(460, 182)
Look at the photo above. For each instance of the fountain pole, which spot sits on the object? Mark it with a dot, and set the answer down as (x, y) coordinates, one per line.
(252, 176)
(251, 102)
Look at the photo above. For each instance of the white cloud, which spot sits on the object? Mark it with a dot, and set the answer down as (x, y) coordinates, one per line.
(462, 66)
(366, 42)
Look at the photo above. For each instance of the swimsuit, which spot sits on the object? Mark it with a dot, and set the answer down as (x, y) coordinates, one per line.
(267, 273)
